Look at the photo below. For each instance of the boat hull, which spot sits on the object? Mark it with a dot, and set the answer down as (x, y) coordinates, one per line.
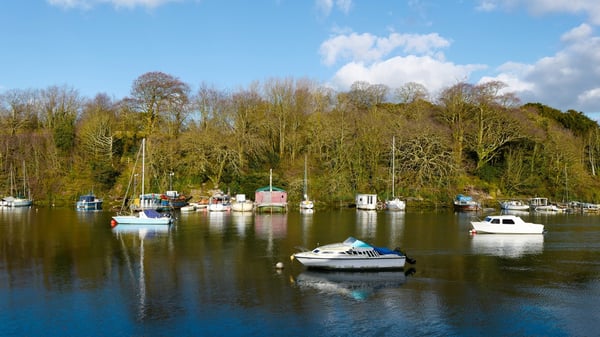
(135, 220)
(395, 205)
(242, 206)
(271, 208)
(89, 206)
(310, 260)
(307, 204)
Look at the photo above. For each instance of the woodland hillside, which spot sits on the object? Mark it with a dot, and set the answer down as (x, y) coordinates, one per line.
(469, 138)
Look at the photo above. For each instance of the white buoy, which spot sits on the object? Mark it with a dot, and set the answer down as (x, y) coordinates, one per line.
(279, 265)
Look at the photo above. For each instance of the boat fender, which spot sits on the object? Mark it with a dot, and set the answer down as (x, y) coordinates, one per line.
(113, 223)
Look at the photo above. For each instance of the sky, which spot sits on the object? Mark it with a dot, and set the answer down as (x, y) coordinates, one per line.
(545, 51)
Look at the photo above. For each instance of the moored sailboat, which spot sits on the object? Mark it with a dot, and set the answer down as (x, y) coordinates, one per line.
(144, 216)
(394, 204)
(306, 203)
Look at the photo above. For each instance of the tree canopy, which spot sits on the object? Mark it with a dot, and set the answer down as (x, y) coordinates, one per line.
(468, 136)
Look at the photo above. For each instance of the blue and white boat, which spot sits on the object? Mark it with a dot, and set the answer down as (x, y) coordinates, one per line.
(145, 217)
(352, 254)
(88, 202)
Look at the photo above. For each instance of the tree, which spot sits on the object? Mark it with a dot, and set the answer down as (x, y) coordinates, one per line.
(456, 109)
(161, 98)
(495, 126)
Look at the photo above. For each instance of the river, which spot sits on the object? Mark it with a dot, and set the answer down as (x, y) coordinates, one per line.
(68, 273)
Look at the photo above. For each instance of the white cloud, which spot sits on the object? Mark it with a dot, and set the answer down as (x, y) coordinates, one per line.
(87, 4)
(567, 80)
(393, 60)
(370, 48)
(433, 73)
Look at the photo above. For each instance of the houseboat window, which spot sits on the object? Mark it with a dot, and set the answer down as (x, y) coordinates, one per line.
(496, 221)
(315, 251)
(508, 222)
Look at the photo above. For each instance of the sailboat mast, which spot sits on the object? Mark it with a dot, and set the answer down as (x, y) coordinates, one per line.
(393, 165)
(305, 180)
(143, 166)
(24, 177)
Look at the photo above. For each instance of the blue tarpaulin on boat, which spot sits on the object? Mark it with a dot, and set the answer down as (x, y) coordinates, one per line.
(463, 198)
(152, 213)
(384, 251)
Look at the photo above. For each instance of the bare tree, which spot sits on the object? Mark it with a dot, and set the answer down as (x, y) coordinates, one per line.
(161, 97)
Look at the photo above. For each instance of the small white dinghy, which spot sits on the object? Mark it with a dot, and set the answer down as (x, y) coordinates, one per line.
(352, 254)
(505, 224)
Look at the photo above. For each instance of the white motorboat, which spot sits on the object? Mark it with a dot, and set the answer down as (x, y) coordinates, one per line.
(352, 254)
(514, 205)
(505, 224)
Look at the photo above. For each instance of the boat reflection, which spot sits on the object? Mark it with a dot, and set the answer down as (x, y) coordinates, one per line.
(270, 227)
(242, 220)
(143, 231)
(355, 285)
(507, 245)
(216, 221)
(147, 285)
(366, 220)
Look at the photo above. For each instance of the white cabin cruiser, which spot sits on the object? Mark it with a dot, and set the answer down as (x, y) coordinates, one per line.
(505, 224)
(352, 254)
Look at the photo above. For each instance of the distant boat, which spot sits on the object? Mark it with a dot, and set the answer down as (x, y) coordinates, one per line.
(394, 204)
(20, 200)
(88, 202)
(270, 199)
(514, 205)
(219, 202)
(542, 205)
(367, 202)
(463, 203)
(241, 204)
(306, 203)
(144, 216)
(174, 200)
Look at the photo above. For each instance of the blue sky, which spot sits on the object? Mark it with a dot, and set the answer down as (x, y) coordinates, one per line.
(546, 51)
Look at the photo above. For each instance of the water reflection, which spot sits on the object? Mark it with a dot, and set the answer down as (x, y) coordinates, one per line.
(507, 245)
(395, 225)
(242, 221)
(142, 274)
(216, 221)
(270, 226)
(355, 285)
(366, 221)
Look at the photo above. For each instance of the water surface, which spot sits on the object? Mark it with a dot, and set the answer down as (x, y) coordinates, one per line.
(68, 273)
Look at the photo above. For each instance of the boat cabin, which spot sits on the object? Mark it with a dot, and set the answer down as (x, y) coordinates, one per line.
(366, 201)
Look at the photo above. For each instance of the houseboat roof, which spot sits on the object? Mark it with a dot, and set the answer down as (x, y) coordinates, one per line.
(267, 188)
